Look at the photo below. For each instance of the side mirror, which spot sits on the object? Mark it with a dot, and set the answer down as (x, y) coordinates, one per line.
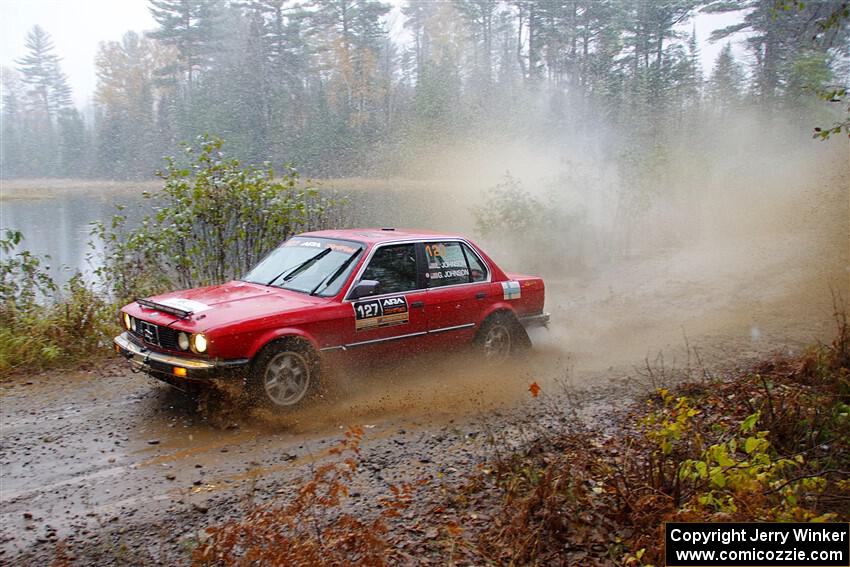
(365, 288)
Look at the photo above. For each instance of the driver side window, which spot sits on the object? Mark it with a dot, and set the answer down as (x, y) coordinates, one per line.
(394, 266)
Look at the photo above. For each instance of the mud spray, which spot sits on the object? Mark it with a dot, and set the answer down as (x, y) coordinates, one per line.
(725, 245)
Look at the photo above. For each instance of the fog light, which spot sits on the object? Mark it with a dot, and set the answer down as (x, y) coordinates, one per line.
(183, 341)
(179, 372)
(127, 321)
(200, 342)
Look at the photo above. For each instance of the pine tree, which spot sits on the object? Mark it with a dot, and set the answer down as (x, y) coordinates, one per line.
(12, 124)
(277, 48)
(726, 84)
(479, 17)
(48, 91)
(237, 94)
(689, 76)
(73, 144)
(437, 92)
(417, 14)
(192, 27)
(777, 35)
(47, 95)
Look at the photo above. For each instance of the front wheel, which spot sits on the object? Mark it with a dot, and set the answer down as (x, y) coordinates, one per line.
(283, 377)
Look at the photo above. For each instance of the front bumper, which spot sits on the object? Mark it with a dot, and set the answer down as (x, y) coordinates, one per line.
(538, 320)
(170, 367)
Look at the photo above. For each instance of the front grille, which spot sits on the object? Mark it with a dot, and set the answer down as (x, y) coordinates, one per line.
(157, 335)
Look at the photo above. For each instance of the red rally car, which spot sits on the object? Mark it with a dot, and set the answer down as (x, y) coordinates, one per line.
(357, 292)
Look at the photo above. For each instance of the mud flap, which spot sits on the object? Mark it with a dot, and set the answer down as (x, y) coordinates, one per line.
(520, 336)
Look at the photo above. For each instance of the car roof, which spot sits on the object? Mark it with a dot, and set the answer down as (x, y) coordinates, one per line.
(378, 235)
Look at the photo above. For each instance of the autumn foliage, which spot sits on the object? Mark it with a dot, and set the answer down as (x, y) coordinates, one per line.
(312, 528)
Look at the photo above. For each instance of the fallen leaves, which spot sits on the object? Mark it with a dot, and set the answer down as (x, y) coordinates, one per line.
(312, 528)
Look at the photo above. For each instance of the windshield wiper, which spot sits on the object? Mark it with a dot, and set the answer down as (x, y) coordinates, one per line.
(330, 279)
(294, 271)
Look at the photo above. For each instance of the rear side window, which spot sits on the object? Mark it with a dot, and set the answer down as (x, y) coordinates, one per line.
(477, 270)
(393, 266)
(446, 264)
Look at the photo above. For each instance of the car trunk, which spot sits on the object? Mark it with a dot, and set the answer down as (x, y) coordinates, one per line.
(532, 291)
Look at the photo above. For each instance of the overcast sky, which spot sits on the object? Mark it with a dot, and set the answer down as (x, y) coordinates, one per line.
(77, 26)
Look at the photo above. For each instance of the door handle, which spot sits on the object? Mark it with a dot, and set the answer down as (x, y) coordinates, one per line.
(481, 295)
(417, 304)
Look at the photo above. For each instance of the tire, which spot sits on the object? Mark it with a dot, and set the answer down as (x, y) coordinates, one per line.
(284, 376)
(496, 338)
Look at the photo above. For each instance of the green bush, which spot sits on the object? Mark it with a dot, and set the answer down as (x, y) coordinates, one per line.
(212, 221)
(520, 227)
(40, 324)
(22, 276)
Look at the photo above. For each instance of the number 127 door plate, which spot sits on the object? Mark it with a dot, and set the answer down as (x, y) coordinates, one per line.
(384, 312)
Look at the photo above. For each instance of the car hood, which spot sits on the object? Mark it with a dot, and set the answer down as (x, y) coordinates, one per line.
(224, 304)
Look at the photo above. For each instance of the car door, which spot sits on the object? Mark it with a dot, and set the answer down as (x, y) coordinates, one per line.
(458, 287)
(394, 317)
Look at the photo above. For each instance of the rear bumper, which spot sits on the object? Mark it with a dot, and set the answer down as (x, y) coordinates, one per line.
(170, 367)
(538, 320)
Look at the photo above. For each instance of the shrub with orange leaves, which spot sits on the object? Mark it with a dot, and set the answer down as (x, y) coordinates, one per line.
(60, 555)
(311, 529)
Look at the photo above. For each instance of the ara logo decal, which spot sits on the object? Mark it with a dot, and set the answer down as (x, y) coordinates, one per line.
(511, 290)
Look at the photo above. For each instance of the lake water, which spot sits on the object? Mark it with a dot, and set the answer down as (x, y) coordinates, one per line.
(60, 226)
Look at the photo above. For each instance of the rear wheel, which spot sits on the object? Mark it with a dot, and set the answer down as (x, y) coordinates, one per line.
(284, 376)
(496, 338)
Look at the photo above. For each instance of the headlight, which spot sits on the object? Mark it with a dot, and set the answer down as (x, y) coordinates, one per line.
(127, 321)
(133, 323)
(183, 341)
(199, 342)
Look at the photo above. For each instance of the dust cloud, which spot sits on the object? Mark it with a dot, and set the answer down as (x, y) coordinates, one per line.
(734, 233)
(723, 244)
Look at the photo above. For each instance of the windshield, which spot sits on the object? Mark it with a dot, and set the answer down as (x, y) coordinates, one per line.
(317, 266)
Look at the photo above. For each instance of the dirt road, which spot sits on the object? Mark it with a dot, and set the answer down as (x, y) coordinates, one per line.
(109, 459)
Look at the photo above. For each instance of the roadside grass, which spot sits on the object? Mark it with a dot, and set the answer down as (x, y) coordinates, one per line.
(76, 329)
(42, 325)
